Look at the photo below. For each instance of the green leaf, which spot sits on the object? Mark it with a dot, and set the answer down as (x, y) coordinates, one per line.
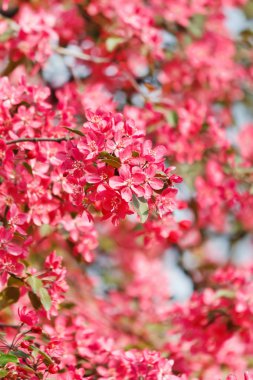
(28, 369)
(141, 207)
(109, 159)
(196, 25)
(190, 172)
(19, 354)
(67, 305)
(39, 297)
(76, 131)
(115, 163)
(112, 42)
(248, 9)
(3, 373)
(29, 337)
(6, 35)
(47, 358)
(7, 358)
(205, 127)
(45, 299)
(28, 168)
(226, 293)
(9, 296)
(172, 118)
(35, 283)
(45, 230)
(14, 281)
(35, 301)
(243, 171)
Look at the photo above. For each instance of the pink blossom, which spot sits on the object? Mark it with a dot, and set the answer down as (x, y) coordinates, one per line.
(29, 317)
(128, 183)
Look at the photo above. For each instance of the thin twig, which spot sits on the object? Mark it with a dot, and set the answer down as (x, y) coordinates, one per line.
(4, 325)
(13, 340)
(38, 139)
(137, 87)
(79, 55)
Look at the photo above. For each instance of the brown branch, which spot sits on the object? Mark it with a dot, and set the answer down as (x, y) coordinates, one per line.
(137, 87)
(12, 65)
(4, 325)
(79, 55)
(38, 139)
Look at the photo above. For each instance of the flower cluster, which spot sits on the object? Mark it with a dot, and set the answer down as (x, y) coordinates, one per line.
(111, 165)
